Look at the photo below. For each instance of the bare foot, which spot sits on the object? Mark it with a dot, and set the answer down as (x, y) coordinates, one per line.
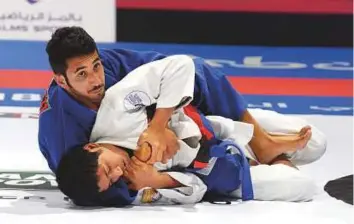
(305, 134)
(276, 145)
(291, 143)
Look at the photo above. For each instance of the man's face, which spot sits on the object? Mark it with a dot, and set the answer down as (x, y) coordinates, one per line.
(111, 164)
(85, 78)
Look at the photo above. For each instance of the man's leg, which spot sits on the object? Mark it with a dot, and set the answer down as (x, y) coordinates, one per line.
(282, 159)
(267, 147)
(214, 95)
(287, 127)
(280, 181)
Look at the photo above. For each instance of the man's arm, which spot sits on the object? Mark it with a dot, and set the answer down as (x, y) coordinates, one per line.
(168, 83)
(142, 175)
(191, 189)
(50, 144)
(176, 90)
(192, 192)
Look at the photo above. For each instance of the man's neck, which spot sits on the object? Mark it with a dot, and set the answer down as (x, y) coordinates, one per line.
(86, 102)
(91, 105)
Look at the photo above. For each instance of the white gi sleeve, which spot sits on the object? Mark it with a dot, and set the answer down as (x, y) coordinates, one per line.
(192, 192)
(122, 117)
(168, 82)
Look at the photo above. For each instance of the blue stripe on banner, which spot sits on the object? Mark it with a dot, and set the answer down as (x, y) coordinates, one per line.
(233, 60)
(303, 105)
(282, 104)
(305, 62)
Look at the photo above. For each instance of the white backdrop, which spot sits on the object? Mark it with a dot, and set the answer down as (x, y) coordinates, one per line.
(36, 19)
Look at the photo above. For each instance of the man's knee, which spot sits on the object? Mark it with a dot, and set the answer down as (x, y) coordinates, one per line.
(314, 150)
(282, 183)
(299, 189)
(319, 143)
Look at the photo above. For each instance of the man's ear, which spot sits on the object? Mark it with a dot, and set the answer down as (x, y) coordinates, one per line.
(91, 147)
(60, 80)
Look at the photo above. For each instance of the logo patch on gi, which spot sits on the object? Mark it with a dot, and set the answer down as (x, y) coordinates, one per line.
(150, 195)
(136, 100)
(33, 1)
(44, 104)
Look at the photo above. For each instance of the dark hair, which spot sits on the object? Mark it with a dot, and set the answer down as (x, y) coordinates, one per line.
(76, 175)
(66, 43)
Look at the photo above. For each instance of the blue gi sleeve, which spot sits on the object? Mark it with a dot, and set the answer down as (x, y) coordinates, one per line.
(63, 124)
(49, 144)
(214, 94)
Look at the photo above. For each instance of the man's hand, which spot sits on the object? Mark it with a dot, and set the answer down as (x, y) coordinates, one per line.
(163, 142)
(141, 175)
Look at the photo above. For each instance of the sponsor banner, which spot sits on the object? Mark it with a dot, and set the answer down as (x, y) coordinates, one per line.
(282, 104)
(299, 62)
(288, 6)
(31, 186)
(28, 180)
(21, 97)
(303, 105)
(37, 19)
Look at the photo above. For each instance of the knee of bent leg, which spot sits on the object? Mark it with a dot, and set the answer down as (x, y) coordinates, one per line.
(317, 146)
(282, 183)
(300, 188)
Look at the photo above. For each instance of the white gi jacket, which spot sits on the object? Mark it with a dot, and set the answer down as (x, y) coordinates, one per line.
(122, 118)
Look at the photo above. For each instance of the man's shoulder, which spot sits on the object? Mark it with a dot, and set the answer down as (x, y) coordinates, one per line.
(50, 99)
(112, 52)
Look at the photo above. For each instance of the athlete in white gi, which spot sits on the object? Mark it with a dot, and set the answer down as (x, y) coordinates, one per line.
(169, 83)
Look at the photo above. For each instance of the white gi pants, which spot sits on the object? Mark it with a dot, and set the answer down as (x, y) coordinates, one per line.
(280, 182)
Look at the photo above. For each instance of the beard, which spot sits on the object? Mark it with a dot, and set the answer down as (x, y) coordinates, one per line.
(92, 101)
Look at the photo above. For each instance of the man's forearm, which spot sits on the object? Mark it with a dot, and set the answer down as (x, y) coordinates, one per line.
(161, 117)
(166, 181)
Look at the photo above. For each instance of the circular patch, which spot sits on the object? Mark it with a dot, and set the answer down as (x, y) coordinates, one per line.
(150, 195)
(136, 100)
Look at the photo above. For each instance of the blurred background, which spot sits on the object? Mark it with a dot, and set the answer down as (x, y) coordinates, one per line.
(237, 22)
(291, 56)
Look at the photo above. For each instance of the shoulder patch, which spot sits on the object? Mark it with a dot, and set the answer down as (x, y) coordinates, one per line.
(44, 103)
(136, 100)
